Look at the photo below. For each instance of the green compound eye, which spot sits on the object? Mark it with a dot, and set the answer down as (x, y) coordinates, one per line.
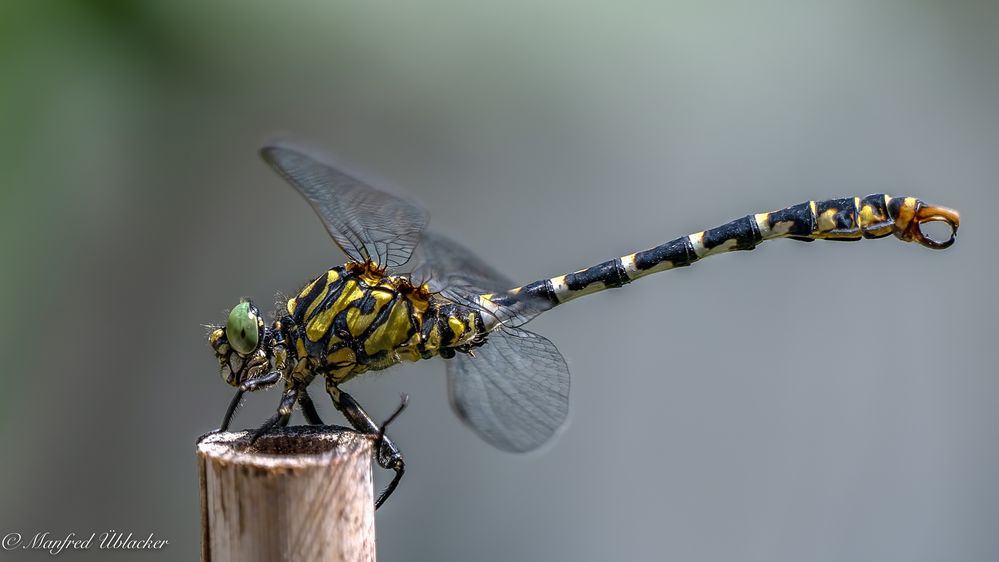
(241, 330)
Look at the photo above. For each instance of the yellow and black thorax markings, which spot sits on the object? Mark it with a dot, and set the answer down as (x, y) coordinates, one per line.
(354, 318)
(853, 218)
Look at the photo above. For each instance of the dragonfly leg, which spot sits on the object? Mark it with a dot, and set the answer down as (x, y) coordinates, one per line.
(264, 381)
(280, 418)
(388, 454)
(400, 466)
(308, 408)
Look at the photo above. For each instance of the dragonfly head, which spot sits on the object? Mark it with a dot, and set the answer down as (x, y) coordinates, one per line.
(238, 345)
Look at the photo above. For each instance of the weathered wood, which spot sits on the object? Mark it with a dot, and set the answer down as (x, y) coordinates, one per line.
(300, 493)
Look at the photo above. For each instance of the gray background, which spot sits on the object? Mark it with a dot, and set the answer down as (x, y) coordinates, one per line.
(812, 402)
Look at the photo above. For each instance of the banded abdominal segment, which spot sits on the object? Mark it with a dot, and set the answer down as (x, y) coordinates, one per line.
(873, 216)
(850, 219)
(353, 319)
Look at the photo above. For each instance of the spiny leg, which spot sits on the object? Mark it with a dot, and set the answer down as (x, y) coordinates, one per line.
(401, 468)
(280, 418)
(308, 408)
(263, 381)
(388, 455)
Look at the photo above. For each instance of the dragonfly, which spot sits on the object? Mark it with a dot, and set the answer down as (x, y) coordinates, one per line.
(407, 293)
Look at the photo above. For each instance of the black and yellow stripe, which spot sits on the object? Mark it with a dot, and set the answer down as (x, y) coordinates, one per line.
(354, 318)
(874, 216)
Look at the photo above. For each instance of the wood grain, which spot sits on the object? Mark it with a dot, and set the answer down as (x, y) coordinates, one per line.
(300, 493)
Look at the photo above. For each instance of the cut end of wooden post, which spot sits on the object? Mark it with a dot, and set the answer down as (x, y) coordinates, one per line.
(301, 493)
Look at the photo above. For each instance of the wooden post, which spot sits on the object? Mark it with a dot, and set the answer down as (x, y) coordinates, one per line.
(300, 493)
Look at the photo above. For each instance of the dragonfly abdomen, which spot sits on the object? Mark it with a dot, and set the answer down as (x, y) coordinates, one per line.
(854, 218)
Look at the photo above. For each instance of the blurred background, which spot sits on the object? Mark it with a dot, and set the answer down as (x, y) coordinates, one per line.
(856, 422)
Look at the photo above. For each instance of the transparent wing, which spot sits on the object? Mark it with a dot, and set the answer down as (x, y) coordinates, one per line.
(447, 264)
(457, 274)
(514, 393)
(366, 223)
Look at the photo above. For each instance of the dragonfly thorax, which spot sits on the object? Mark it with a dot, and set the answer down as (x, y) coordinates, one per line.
(355, 318)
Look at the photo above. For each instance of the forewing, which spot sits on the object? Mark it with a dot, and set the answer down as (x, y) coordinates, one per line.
(447, 264)
(514, 393)
(367, 224)
(457, 274)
